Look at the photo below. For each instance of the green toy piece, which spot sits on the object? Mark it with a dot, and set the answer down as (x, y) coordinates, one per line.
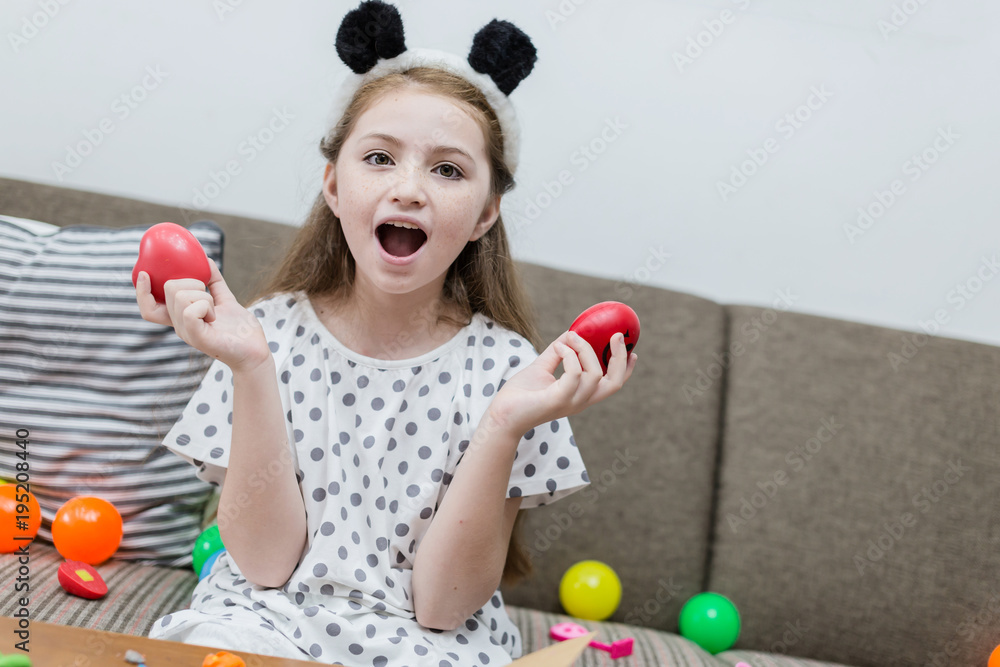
(711, 621)
(14, 660)
(207, 544)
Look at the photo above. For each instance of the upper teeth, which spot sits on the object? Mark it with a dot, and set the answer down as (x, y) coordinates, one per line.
(407, 225)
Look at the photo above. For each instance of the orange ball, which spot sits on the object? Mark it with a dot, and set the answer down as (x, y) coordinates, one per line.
(995, 657)
(16, 503)
(88, 529)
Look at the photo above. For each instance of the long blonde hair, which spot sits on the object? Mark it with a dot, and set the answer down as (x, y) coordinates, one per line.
(482, 279)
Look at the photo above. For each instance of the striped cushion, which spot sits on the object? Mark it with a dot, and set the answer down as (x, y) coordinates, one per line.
(758, 659)
(137, 594)
(651, 647)
(96, 386)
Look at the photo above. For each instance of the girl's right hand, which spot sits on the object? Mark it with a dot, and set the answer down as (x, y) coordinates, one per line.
(534, 396)
(213, 322)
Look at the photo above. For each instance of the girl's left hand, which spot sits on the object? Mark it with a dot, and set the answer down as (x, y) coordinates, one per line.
(534, 396)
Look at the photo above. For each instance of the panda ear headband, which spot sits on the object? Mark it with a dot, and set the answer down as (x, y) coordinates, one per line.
(370, 41)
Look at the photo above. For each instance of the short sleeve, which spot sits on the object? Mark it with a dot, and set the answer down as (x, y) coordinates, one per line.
(548, 465)
(203, 433)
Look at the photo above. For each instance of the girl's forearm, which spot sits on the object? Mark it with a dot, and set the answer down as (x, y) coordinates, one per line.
(461, 557)
(262, 517)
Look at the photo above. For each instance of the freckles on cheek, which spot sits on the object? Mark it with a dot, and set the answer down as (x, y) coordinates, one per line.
(464, 206)
(357, 198)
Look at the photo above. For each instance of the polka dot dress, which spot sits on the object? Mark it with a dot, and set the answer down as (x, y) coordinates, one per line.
(376, 444)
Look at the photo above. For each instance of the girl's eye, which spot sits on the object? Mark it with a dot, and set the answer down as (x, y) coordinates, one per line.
(449, 171)
(378, 155)
(452, 173)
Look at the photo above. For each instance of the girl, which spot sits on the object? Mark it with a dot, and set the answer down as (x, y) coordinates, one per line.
(393, 343)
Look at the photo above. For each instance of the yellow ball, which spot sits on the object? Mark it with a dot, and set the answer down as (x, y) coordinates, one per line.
(590, 590)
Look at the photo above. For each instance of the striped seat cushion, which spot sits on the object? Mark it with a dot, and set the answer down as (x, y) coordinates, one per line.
(651, 647)
(137, 594)
(93, 386)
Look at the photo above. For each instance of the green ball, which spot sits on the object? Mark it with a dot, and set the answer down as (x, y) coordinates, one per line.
(711, 621)
(207, 544)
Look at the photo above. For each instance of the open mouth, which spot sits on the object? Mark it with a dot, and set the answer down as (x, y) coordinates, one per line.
(400, 240)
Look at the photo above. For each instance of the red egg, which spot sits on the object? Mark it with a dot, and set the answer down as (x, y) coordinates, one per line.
(599, 323)
(168, 251)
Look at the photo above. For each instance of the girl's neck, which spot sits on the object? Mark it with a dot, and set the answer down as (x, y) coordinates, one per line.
(402, 332)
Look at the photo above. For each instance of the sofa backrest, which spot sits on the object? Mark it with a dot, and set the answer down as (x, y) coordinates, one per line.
(859, 492)
(650, 452)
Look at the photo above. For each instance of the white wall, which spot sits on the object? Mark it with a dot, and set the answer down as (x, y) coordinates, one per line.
(889, 94)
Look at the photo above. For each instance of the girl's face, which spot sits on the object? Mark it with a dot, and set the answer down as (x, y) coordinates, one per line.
(418, 157)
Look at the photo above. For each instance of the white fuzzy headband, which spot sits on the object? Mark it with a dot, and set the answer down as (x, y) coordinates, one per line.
(371, 42)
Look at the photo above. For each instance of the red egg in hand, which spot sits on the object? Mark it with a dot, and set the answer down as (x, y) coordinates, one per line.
(599, 323)
(168, 251)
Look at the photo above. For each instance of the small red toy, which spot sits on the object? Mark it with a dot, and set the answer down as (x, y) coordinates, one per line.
(599, 323)
(168, 251)
(80, 579)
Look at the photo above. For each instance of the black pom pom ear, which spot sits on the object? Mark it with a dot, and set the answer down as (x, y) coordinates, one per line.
(374, 30)
(504, 52)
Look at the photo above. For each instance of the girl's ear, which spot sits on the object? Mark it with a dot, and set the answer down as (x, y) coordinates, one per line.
(488, 217)
(330, 188)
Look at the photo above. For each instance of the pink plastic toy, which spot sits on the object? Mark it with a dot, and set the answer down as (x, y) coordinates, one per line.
(564, 631)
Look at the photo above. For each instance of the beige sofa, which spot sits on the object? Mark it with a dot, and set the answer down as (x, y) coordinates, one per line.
(839, 482)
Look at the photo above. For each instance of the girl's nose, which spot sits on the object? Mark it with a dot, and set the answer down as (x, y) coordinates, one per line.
(408, 186)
